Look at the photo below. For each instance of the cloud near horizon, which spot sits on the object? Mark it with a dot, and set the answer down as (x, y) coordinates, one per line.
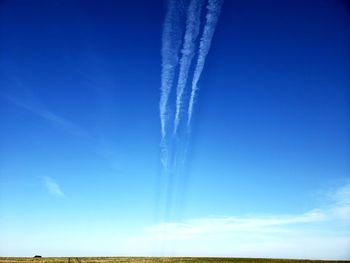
(324, 231)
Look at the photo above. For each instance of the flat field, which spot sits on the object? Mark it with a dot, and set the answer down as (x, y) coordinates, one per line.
(155, 260)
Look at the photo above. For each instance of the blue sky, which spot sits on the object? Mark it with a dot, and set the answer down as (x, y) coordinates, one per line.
(267, 169)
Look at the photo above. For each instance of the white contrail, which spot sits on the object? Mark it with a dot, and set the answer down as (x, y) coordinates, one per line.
(191, 34)
(171, 41)
(214, 8)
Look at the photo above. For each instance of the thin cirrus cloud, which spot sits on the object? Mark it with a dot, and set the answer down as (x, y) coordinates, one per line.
(52, 187)
(33, 106)
(319, 233)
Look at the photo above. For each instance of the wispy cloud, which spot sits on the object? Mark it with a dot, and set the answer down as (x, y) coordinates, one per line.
(52, 187)
(328, 227)
(340, 202)
(214, 9)
(187, 51)
(223, 226)
(34, 106)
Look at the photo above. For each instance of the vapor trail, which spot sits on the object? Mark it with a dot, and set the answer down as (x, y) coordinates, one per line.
(214, 8)
(191, 34)
(171, 41)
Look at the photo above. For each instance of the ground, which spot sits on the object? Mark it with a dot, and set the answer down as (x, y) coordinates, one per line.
(151, 260)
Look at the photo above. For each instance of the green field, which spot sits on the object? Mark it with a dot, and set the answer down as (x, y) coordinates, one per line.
(152, 259)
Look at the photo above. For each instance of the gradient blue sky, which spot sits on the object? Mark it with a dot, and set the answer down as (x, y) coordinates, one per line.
(268, 170)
